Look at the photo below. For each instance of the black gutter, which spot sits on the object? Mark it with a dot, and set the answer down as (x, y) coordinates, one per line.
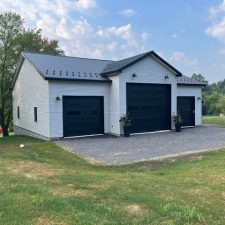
(189, 84)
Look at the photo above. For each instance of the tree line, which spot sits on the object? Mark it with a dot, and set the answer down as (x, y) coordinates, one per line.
(15, 37)
(213, 96)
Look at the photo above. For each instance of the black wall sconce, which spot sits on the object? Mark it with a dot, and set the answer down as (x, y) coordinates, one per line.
(134, 75)
(57, 98)
(167, 77)
(198, 98)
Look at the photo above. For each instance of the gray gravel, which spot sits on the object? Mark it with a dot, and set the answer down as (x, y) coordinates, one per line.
(121, 150)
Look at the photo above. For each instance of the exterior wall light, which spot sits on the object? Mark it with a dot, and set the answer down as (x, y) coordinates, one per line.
(199, 98)
(167, 77)
(134, 75)
(57, 98)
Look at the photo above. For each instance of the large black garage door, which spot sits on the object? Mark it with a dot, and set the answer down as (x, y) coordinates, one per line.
(186, 107)
(82, 116)
(149, 106)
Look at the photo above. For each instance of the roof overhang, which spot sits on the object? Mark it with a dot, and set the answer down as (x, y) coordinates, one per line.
(187, 84)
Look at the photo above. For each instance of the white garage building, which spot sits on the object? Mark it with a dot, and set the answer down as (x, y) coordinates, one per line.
(59, 96)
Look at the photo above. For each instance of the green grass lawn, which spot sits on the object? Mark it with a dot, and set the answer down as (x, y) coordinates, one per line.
(216, 120)
(43, 185)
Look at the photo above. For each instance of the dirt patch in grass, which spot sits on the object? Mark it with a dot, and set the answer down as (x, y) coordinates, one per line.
(94, 162)
(45, 221)
(188, 157)
(134, 209)
(218, 178)
(70, 190)
(32, 169)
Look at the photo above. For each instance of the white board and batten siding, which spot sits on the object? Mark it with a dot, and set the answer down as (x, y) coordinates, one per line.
(30, 91)
(114, 100)
(193, 91)
(74, 88)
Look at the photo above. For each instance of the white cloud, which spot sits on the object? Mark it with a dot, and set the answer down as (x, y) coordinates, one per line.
(112, 46)
(181, 59)
(128, 13)
(217, 28)
(97, 54)
(84, 4)
(124, 32)
(185, 64)
(215, 10)
(126, 39)
(60, 20)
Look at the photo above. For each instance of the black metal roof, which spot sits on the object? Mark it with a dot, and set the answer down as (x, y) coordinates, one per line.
(52, 67)
(184, 80)
(63, 67)
(118, 66)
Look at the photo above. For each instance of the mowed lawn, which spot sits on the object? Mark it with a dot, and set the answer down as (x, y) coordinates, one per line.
(216, 120)
(42, 184)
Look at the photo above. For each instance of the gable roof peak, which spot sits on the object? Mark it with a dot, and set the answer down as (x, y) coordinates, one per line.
(118, 66)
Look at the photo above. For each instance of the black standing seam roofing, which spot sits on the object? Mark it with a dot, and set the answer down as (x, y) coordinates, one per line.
(185, 80)
(64, 68)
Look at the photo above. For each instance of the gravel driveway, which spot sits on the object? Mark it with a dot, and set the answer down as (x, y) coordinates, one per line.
(120, 150)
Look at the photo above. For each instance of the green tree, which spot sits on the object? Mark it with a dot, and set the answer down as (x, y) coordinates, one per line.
(32, 40)
(199, 77)
(211, 103)
(221, 104)
(14, 38)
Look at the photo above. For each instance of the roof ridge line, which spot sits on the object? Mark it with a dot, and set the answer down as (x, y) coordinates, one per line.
(65, 56)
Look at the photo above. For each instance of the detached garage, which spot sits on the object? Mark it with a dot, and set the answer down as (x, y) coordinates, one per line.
(59, 96)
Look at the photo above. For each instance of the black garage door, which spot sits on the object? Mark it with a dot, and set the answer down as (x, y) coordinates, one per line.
(149, 106)
(82, 116)
(186, 107)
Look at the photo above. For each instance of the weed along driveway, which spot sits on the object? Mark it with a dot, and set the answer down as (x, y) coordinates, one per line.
(120, 150)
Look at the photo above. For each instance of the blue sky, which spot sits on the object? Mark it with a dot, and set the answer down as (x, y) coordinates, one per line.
(188, 34)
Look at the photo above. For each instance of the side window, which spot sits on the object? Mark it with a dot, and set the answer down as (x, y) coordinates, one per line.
(18, 112)
(35, 114)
